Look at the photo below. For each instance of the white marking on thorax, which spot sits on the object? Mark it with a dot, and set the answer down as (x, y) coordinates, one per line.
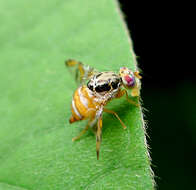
(83, 100)
(75, 109)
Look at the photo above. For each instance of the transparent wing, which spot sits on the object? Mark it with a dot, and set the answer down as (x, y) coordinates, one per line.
(81, 72)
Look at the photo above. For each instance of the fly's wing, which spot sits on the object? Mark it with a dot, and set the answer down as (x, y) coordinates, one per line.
(81, 72)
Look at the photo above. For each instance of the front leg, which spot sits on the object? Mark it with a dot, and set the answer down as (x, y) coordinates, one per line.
(124, 92)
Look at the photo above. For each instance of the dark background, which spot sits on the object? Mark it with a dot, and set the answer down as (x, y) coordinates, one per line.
(160, 33)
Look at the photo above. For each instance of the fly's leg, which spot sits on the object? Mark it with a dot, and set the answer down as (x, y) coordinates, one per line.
(98, 136)
(114, 113)
(122, 92)
(81, 133)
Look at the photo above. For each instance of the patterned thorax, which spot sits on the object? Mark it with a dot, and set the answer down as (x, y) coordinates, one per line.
(104, 82)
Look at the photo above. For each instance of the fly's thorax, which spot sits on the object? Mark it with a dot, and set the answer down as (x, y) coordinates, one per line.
(104, 83)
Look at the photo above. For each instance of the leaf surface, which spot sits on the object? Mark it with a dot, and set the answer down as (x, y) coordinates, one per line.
(36, 151)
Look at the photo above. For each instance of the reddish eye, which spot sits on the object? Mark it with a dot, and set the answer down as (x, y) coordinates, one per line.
(130, 80)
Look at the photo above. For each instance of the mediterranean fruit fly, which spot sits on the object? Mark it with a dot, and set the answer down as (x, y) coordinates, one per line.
(89, 100)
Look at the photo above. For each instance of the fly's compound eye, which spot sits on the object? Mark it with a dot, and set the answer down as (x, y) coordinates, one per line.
(127, 76)
(129, 80)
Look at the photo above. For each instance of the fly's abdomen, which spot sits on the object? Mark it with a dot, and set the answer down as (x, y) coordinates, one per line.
(82, 106)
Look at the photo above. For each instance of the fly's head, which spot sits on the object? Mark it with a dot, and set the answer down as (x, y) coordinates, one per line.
(130, 80)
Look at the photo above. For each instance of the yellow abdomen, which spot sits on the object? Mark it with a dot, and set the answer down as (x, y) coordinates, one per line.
(83, 106)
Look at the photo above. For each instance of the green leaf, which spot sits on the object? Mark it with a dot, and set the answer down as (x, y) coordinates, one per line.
(36, 151)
